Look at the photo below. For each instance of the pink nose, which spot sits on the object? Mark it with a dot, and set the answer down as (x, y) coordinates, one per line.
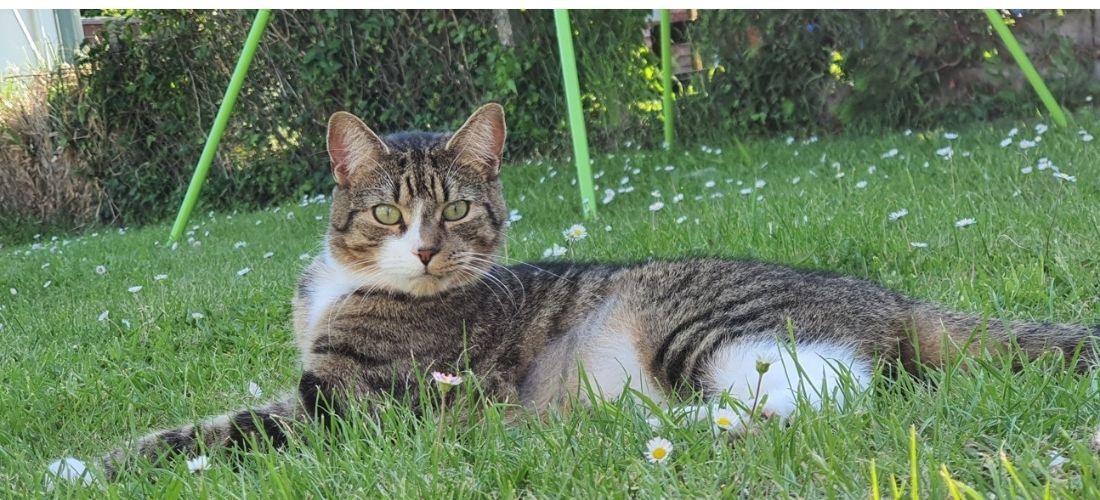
(426, 254)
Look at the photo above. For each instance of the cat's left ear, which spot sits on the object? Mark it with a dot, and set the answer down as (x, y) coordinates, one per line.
(480, 141)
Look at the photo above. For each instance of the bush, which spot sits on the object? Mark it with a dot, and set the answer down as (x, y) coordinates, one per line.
(137, 116)
(41, 177)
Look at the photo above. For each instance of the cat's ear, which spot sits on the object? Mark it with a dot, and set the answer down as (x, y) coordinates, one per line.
(353, 147)
(480, 141)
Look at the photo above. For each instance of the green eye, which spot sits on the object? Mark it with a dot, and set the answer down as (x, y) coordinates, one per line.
(456, 210)
(387, 214)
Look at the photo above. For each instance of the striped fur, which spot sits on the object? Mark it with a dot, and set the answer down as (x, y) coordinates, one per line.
(372, 319)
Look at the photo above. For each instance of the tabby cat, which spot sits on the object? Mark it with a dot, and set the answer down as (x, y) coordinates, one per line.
(409, 283)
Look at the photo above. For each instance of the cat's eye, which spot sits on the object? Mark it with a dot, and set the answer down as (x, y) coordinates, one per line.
(387, 214)
(456, 210)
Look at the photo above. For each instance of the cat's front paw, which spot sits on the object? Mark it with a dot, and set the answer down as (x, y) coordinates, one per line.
(68, 470)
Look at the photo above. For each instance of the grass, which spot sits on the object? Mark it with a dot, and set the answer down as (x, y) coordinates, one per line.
(77, 386)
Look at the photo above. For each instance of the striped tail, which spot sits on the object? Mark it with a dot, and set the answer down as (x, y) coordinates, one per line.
(941, 336)
(233, 430)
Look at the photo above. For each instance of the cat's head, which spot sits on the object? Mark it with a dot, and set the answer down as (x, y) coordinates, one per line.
(417, 212)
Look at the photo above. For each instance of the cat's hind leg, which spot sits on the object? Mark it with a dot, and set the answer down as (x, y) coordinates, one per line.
(769, 376)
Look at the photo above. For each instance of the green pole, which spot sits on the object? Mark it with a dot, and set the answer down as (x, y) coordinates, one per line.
(220, 121)
(1025, 65)
(576, 116)
(666, 73)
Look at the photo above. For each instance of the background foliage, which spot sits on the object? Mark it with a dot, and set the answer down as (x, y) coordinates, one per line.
(134, 118)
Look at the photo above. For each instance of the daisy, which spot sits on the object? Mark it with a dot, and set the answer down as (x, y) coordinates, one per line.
(961, 223)
(725, 418)
(890, 154)
(656, 206)
(678, 198)
(160, 277)
(103, 316)
(861, 184)
(514, 215)
(658, 450)
(1013, 132)
(894, 216)
(244, 271)
(1007, 142)
(101, 270)
(1057, 175)
(1026, 144)
(554, 251)
(950, 136)
(1040, 128)
(918, 244)
(134, 289)
(1026, 170)
(945, 152)
(269, 255)
(239, 245)
(709, 184)
(446, 380)
(198, 464)
(576, 232)
(759, 183)
(255, 391)
(1086, 137)
(197, 316)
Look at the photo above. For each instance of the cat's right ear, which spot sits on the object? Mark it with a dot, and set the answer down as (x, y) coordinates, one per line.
(353, 147)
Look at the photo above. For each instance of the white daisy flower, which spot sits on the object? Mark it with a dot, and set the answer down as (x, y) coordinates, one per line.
(894, 216)
(514, 215)
(681, 219)
(656, 206)
(1057, 175)
(945, 152)
(103, 316)
(198, 464)
(709, 184)
(160, 277)
(725, 418)
(576, 232)
(658, 450)
(244, 271)
(678, 198)
(446, 379)
(759, 183)
(1013, 132)
(50, 282)
(1040, 128)
(134, 289)
(1007, 142)
(197, 316)
(608, 195)
(961, 223)
(796, 180)
(101, 270)
(950, 136)
(1086, 138)
(240, 244)
(1026, 144)
(554, 251)
(918, 244)
(890, 154)
(790, 140)
(254, 390)
(861, 184)
(268, 255)
(1026, 170)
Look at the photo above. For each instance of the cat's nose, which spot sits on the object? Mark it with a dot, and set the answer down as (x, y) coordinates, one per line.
(426, 254)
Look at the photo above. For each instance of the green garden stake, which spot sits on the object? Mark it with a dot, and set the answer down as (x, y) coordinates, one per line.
(1025, 65)
(666, 73)
(220, 121)
(576, 115)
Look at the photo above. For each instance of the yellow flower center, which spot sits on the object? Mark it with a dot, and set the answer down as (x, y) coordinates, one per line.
(659, 453)
(724, 422)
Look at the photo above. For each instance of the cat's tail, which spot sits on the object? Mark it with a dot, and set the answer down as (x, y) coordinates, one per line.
(936, 337)
(238, 429)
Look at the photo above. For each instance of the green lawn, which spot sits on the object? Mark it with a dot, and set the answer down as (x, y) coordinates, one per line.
(87, 362)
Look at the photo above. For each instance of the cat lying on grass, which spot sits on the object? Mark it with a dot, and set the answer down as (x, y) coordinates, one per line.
(409, 283)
